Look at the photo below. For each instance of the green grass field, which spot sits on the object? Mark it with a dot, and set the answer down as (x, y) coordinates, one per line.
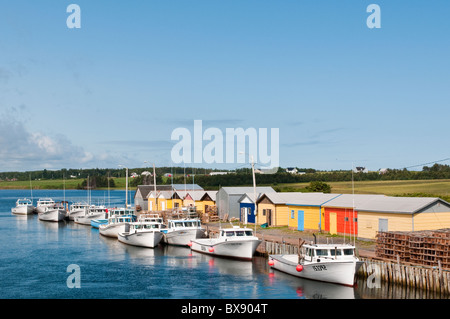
(53, 184)
(437, 187)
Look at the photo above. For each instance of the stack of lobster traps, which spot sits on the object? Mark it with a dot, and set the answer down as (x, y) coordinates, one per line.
(428, 248)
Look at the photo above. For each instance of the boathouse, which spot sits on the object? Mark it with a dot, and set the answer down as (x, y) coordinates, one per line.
(402, 214)
(341, 213)
(227, 199)
(306, 211)
(272, 208)
(207, 202)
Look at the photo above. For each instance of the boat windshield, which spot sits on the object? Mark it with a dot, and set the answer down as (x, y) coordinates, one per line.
(237, 233)
(348, 252)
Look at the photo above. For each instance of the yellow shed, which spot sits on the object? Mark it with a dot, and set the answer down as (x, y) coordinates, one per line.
(207, 201)
(306, 211)
(151, 197)
(402, 214)
(272, 208)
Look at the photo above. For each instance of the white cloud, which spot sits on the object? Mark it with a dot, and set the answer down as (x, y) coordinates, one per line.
(24, 150)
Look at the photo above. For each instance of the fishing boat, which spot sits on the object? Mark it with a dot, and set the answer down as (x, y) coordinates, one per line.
(97, 222)
(24, 206)
(42, 203)
(115, 225)
(333, 263)
(235, 242)
(93, 212)
(142, 233)
(181, 232)
(53, 213)
(77, 209)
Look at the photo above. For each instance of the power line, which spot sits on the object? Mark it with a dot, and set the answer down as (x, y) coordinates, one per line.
(443, 160)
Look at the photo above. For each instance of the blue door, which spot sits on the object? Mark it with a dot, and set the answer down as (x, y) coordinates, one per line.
(300, 220)
(247, 209)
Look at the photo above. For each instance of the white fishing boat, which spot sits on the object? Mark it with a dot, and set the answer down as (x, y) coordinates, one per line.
(53, 213)
(93, 212)
(24, 206)
(115, 225)
(77, 209)
(333, 263)
(236, 242)
(182, 231)
(42, 203)
(142, 233)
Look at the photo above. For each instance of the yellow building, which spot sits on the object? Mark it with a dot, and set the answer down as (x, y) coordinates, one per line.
(307, 211)
(402, 214)
(272, 208)
(207, 202)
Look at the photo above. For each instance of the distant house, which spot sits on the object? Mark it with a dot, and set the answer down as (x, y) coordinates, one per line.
(360, 169)
(227, 199)
(218, 173)
(292, 170)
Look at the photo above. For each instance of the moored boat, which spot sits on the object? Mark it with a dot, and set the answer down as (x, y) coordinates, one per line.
(53, 213)
(42, 203)
(181, 232)
(236, 242)
(97, 222)
(77, 209)
(24, 206)
(323, 262)
(115, 225)
(93, 212)
(142, 233)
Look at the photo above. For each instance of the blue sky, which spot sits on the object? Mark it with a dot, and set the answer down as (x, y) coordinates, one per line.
(113, 91)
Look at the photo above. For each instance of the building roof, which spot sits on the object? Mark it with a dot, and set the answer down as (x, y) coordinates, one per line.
(243, 190)
(405, 205)
(311, 199)
(250, 196)
(382, 203)
(353, 200)
(188, 187)
(211, 194)
(283, 197)
(144, 190)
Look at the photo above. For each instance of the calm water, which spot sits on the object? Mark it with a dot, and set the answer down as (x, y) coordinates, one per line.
(34, 257)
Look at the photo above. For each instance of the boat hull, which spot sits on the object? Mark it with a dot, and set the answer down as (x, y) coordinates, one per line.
(76, 213)
(149, 239)
(86, 220)
(52, 215)
(22, 210)
(340, 272)
(182, 237)
(112, 230)
(97, 222)
(238, 249)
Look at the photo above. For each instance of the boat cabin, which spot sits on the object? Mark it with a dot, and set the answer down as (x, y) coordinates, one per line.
(327, 252)
(24, 202)
(186, 223)
(45, 201)
(236, 232)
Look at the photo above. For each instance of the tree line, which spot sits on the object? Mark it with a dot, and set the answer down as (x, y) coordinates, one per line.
(239, 177)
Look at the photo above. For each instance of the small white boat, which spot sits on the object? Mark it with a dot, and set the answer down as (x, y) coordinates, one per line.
(77, 210)
(323, 262)
(42, 203)
(93, 212)
(181, 232)
(235, 242)
(23, 207)
(115, 225)
(53, 213)
(142, 233)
